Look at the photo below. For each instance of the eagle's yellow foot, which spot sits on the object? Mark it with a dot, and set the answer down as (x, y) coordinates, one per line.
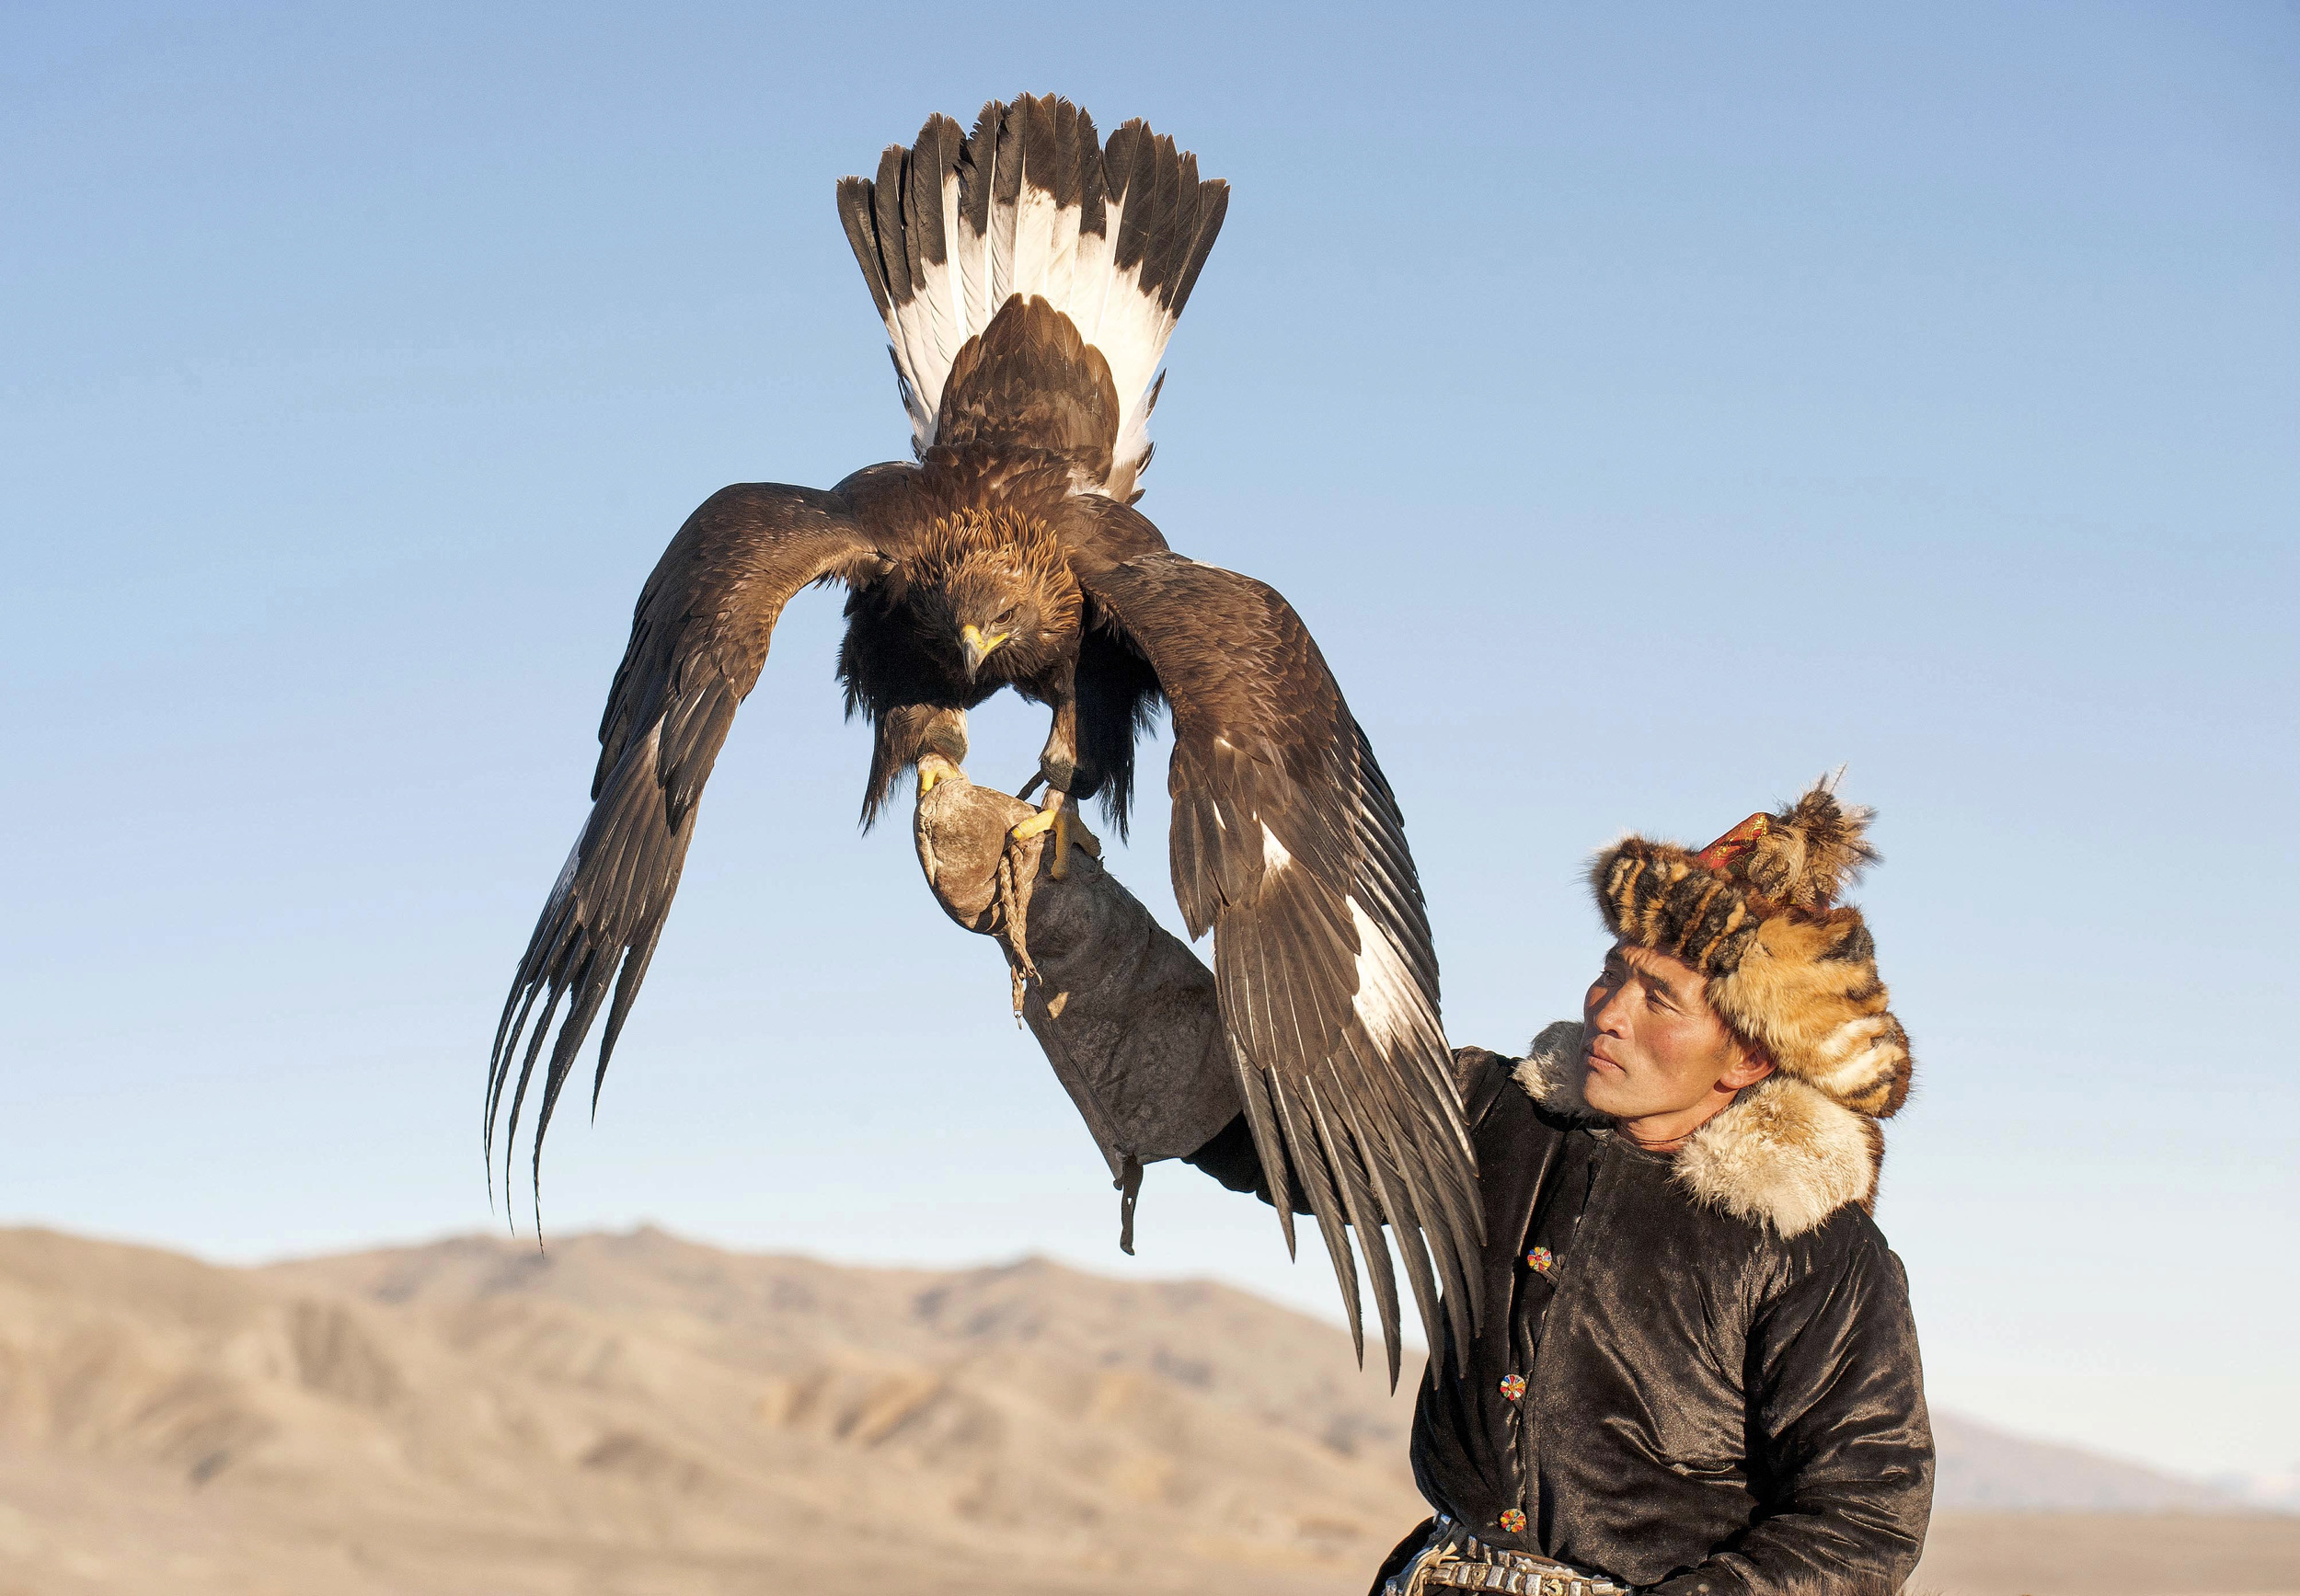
(1070, 832)
(1048, 813)
(1068, 829)
(934, 769)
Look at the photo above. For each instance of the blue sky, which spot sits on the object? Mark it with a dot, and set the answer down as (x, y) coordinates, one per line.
(1649, 407)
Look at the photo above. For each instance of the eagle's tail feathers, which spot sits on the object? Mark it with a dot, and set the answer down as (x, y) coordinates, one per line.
(1033, 202)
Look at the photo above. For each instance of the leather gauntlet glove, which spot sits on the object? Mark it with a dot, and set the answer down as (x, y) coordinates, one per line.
(1124, 1010)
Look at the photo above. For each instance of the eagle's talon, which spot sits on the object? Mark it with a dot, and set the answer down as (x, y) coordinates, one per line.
(933, 770)
(1070, 832)
(1056, 815)
(1039, 821)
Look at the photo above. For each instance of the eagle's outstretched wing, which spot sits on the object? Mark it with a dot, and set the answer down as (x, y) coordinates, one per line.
(1287, 843)
(698, 639)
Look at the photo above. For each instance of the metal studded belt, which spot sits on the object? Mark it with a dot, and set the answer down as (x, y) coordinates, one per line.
(1455, 1560)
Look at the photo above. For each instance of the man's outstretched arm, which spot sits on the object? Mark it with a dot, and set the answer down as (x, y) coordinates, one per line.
(1126, 1013)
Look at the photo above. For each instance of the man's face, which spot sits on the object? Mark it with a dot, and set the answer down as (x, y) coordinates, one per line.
(1650, 1042)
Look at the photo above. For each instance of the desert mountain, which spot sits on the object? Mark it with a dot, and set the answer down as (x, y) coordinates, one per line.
(1984, 1468)
(637, 1413)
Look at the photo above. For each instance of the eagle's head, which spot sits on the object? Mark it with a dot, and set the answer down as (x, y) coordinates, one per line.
(995, 592)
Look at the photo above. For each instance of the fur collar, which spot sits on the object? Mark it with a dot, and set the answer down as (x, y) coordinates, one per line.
(1782, 1154)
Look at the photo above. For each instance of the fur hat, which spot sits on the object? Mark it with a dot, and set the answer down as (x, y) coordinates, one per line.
(1792, 971)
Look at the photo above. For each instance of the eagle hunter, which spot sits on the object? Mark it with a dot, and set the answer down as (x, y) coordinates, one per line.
(1030, 276)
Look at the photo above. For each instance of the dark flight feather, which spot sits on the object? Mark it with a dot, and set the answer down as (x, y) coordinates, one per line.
(1092, 197)
(1128, 164)
(1166, 185)
(1005, 187)
(887, 217)
(975, 175)
(1213, 204)
(699, 636)
(933, 160)
(1287, 844)
(1064, 177)
(922, 214)
(1163, 267)
(856, 214)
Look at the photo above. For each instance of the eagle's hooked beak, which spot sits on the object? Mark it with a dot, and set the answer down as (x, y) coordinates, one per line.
(978, 646)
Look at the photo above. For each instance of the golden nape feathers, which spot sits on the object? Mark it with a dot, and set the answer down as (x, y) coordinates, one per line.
(984, 557)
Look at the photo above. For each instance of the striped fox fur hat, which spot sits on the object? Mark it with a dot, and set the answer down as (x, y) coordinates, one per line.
(1791, 970)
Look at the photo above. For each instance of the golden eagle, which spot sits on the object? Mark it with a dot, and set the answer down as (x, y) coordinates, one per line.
(1030, 276)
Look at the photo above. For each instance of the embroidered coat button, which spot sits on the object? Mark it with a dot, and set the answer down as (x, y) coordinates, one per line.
(1513, 1520)
(1542, 1259)
(1512, 1386)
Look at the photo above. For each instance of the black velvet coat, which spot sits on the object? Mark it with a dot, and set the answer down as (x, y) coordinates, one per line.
(1708, 1405)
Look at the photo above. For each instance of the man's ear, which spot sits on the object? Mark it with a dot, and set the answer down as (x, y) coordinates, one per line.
(1750, 1067)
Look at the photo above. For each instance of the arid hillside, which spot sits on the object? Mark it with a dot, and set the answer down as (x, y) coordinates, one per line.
(638, 1414)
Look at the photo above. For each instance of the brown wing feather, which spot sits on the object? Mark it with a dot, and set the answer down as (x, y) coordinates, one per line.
(1288, 844)
(699, 639)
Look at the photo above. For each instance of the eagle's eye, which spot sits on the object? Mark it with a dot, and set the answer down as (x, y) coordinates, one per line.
(1006, 617)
